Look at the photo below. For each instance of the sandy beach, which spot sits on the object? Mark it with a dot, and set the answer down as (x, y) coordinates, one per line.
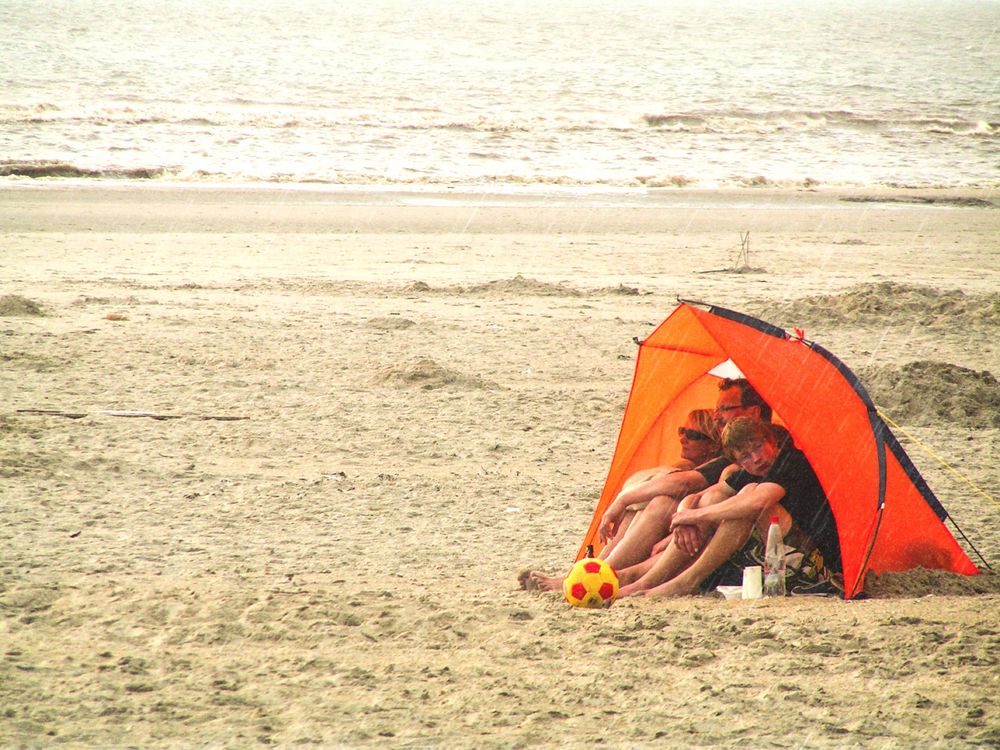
(271, 461)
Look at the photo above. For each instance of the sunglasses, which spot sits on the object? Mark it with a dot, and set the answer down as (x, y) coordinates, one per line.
(729, 408)
(684, 432)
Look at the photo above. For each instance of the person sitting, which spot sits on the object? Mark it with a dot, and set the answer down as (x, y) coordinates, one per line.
(646, 537)
(636, 549)
(773, 478)
(700, 443)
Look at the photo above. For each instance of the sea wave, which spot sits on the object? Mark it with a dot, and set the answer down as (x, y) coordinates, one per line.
(58, 171)
(712, 122)
(42, 169)
(742, 121)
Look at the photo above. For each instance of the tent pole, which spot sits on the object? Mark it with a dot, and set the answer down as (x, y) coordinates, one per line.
(971, 545)
(868, 553)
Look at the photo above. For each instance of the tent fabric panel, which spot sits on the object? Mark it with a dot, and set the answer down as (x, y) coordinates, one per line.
(826, 419)
(911, 534)
(683, 332)
(670, 375)
(911, 471)
(831, 418)
(660, 379)
(661, 445)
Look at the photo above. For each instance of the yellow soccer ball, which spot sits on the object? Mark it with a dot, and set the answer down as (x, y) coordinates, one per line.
(591, 583)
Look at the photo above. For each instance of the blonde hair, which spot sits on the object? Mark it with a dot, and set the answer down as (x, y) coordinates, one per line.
(704, 421)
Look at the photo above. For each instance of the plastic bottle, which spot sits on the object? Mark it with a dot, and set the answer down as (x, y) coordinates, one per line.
(774, 560)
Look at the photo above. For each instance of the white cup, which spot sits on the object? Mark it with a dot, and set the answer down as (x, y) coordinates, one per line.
(752, 582)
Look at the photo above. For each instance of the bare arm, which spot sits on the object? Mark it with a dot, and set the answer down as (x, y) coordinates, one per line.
(674, 484)
(686, 534)
(749, 504)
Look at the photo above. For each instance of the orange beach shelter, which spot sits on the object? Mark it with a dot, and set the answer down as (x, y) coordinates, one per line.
(887, 516)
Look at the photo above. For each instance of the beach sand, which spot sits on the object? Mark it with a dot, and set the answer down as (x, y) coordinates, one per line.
(376, 412)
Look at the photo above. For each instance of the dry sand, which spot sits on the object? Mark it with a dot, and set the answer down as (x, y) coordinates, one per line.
(382, 411)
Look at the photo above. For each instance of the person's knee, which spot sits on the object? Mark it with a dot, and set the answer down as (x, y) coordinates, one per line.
(662, 505)
(736, 531)
(739, 524)
(784, 520)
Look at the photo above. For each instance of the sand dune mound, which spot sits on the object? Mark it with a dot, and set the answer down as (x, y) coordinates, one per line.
(921, 582)
(390, 323)
(926, 392)
(524, 287)
(12, 305)
(619, 291)
(418, 286)
(29, 360)
(519, 285)
(427, 374)
(892, 303)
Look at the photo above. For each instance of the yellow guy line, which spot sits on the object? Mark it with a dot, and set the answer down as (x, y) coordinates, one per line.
(936, 457)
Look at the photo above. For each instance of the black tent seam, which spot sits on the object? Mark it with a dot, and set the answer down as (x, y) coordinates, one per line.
(890, 439)
(879, 429)
(747, 320)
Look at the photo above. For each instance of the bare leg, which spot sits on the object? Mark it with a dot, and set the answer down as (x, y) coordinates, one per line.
(670, 563)
(633, 573)
(640, 477)
(632, 547)
(535, 580)
(646, 530)
(728, 538)
(764, 521)
(619, 533)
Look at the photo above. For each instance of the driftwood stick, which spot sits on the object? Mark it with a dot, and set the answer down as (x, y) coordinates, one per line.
(53, 413)
(129, 414)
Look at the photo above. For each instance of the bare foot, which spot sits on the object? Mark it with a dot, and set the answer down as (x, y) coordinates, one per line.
(538, 581)
(671, 589)
(524, 580)
(630, 590)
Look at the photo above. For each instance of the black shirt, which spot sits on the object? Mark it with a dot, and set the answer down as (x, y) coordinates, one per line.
(804, 500)
(713, 469)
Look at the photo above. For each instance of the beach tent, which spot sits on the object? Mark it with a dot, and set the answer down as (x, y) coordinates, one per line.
(887, 517)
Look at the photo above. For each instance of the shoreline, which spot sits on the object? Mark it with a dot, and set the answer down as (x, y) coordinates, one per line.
(185, 208)
(506, 193)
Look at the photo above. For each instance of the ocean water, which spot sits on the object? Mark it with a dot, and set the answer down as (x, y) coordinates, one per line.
(529, 93)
